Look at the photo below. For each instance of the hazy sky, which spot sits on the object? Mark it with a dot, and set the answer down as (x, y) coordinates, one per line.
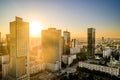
(74, 15)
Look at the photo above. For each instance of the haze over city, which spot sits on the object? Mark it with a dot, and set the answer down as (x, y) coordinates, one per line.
(59, 39)
(73, 15)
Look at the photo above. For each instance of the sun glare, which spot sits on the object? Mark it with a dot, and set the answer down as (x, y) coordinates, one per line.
(35, 29)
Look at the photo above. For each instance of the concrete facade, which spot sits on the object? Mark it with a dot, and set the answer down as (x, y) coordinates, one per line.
(19, 49)
(52, 47)
(110, 70)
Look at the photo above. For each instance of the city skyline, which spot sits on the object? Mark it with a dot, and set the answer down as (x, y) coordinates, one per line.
(73, 15)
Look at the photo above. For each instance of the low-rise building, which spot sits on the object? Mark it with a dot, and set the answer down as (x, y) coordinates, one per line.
(68, 59)
(53, 67)
(4, 62)
(75, 50)
(107, 52)
(71, 58)
(111, 70)
(36, 67)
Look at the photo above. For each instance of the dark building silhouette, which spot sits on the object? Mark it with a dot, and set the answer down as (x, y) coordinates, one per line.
(0, 44)
(66, 35)
(0, 36)
(91, 43)
(103, 39)
(73, 43)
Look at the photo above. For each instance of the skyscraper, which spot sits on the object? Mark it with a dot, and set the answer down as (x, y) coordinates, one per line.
(0, 59)
(0, 44)
(19, 49)
(8, 43)
(91, 42)
(103, 39)
(66, 36)
(0, 36)
(52, 46)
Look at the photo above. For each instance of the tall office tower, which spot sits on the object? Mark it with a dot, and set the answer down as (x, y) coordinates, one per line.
(19, 50)
(0, 43)
(52, 47)
(0, 59)
(91, 43)
(73, 43)
(0, 36)
(103, 39)
(66, 42)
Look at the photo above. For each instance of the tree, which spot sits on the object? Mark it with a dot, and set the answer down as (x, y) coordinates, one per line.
(63, 65)
(81, 56)
(90, 77)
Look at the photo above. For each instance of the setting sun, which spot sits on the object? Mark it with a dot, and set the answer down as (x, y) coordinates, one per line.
(35, 29)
